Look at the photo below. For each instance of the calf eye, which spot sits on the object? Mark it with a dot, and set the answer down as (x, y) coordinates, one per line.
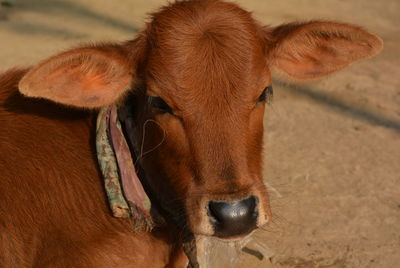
(266, 95)
(159, 104)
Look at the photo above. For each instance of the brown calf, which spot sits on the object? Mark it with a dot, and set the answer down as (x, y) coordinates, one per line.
(197, 78)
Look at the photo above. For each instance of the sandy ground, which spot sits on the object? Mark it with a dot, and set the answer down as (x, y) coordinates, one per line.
(332, 150)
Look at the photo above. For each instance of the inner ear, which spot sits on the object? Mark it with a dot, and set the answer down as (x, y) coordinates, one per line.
(314, 49)
(83, 77)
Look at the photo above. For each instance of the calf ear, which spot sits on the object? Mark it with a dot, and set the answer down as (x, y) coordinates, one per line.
(91, 76)
(314, 49)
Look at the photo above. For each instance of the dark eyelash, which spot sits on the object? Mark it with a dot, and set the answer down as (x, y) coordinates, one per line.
(266, 95)
(159, 104)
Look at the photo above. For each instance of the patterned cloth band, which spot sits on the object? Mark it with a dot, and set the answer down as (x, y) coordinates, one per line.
(124, 190)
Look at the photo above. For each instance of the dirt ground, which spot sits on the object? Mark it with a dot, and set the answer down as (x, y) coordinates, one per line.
(332, 147)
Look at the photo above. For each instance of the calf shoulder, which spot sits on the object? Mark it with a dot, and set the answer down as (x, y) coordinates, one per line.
(53, 210)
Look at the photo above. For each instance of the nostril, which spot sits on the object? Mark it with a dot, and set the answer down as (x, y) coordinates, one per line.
(230, 218)
(214, 210)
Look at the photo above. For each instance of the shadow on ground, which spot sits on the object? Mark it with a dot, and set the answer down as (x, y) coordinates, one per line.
(75, 11)
(339, 105)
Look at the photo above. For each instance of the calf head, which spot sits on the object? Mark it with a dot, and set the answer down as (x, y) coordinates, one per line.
(196, 80)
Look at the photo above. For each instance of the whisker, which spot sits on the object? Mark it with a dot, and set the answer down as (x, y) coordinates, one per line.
(141, 155)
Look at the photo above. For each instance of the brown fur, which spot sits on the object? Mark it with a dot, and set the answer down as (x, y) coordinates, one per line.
(209, 60)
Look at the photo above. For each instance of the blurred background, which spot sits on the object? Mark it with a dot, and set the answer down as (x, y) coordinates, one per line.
(332, 146)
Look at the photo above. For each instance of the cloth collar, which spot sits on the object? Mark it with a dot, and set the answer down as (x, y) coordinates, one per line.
(125, 192)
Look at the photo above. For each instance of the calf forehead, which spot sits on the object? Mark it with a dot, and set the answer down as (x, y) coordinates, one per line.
(200, 53)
